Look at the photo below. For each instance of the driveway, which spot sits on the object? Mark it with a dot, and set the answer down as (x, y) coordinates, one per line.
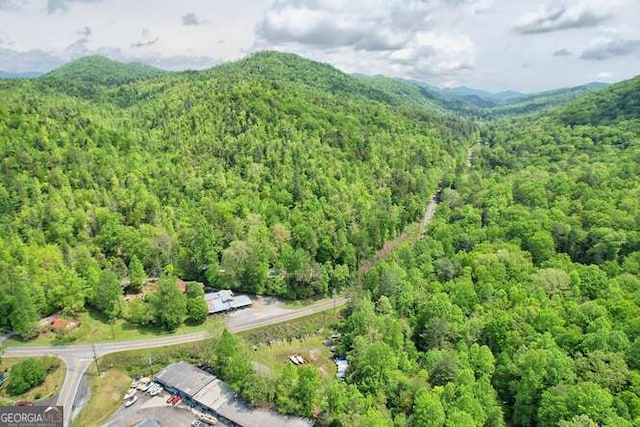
(151, 408)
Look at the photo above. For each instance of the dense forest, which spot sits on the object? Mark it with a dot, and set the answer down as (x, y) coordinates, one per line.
(241, 176)
(520, 307)
(277, 175)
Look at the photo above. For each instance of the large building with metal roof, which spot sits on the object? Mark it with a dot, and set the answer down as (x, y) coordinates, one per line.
(205, 392)
(225, 300)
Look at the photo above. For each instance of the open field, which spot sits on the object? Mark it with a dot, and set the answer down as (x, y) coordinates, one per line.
(48, 389)
(274, 356)
(94, 328)
(106, 391)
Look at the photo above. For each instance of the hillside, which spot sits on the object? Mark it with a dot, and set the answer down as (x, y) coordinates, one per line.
(98, 70)
(477, 103)
(542, 101)
(520, 306)
(216, 176)
(608, 106)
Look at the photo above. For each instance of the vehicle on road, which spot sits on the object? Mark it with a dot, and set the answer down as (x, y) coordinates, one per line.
(130, 401)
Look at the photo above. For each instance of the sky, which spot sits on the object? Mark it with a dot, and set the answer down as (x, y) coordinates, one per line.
(523, 45)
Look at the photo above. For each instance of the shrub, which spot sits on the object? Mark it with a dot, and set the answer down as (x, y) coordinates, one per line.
(25, 375)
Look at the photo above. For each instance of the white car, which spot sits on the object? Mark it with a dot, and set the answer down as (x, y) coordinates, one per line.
(154, 390)
(130, 394)
(130, 401)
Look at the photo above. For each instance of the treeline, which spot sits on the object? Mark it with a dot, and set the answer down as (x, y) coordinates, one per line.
(255, 183)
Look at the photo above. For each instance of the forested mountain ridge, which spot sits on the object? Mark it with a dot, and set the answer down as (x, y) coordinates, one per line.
(609, 106)
(99, 70)
(212, 175)
(520, 306)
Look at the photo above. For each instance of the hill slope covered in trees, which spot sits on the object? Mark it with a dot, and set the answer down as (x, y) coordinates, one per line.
(520, 307)
(274, 162)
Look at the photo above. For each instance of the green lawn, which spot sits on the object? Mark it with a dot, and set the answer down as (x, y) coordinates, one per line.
(274, 356)
(48, 389)
(95, 328)
(106, 395)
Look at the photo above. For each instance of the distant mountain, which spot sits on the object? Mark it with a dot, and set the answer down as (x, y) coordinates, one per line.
(506, 95)
(477, 102)
(543, 101)
(23, 75)
(500, 96)
(102, 71)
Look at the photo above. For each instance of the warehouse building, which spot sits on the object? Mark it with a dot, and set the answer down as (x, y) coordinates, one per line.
(207, 393)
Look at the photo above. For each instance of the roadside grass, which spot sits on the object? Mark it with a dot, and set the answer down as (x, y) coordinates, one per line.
(301, 303)
(106, 391)
(148, 362)
(118, 369)
(95, 328)
(302, 327)
(45, 391)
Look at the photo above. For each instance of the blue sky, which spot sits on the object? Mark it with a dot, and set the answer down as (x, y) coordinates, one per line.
(525, 45)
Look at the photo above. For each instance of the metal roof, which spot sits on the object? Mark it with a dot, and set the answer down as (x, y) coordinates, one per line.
(220, 398)
(184, 377)
(240, 301)
(225, 300)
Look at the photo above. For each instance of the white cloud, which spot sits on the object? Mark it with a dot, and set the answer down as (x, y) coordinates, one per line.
(606, 47)
(373, 36)
(472, 42)
(556, 17)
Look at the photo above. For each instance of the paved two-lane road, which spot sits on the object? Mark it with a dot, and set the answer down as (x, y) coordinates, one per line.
(78, 357)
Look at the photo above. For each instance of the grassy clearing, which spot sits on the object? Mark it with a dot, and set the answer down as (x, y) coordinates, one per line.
(45, 391)
(273, 344)
(95, 328)
(274, 357)
(107, 391)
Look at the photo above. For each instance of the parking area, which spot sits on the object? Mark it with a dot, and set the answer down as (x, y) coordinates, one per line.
(154, 408)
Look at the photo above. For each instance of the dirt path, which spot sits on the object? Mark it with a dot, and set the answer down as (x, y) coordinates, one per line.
(391, 245)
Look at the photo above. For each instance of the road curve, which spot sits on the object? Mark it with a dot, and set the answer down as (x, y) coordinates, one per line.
(78, 357)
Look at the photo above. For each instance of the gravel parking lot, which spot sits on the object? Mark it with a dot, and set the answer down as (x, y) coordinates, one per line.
(152, 408)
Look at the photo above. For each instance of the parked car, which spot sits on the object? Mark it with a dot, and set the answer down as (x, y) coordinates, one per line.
(131, 393)
(25, 403)
(177, 400)
(154, 389)
(144, 386)
(170, 399)
(130, 401)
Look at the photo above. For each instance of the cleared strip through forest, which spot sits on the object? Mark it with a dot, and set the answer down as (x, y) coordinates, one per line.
(393, 244)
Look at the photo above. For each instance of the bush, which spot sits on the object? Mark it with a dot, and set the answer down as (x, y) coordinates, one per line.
(197, 310)
(25, 375)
